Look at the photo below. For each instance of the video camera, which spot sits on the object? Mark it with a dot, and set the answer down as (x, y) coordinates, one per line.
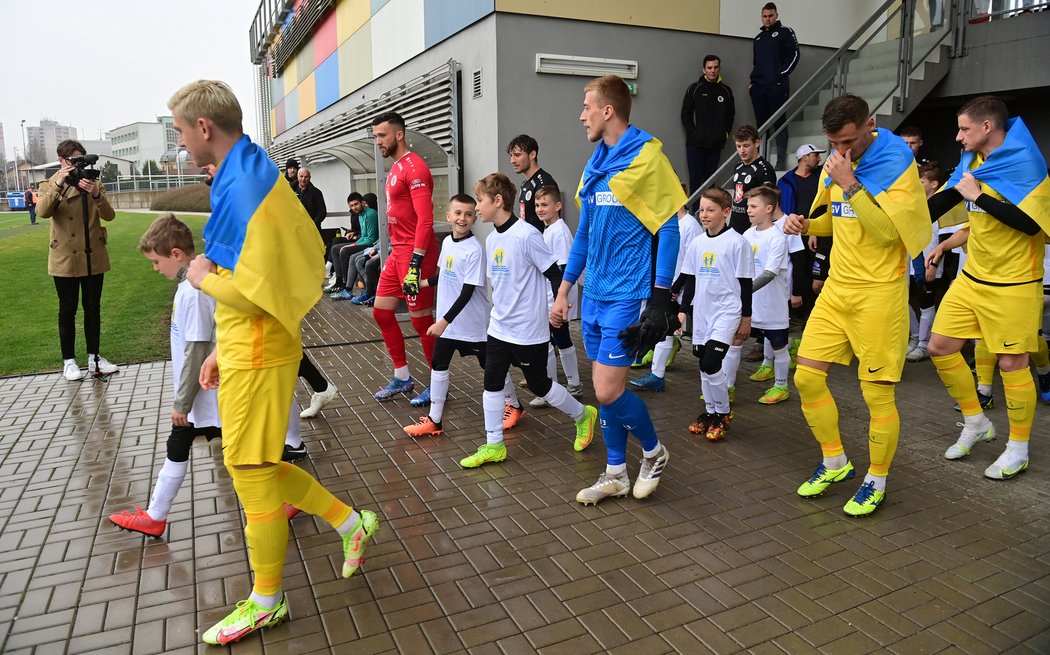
(83, 169)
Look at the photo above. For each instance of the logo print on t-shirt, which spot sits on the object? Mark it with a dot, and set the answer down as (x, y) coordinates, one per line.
(393, 180)
(449, 262)
(707, 262)
(739, 195)
(528, 196)
(499, 267)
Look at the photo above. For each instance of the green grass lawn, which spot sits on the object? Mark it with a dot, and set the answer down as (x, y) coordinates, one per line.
(136, 301)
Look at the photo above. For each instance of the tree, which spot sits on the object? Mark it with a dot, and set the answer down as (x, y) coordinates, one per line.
(37, 154)
(150, 167)
(110, 172)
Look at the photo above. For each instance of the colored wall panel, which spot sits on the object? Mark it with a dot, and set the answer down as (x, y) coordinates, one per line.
(280, 120)
(304, 61)
(327, 80)
(307, 97)
(689, 15)
(291, 109)
(288, 80)
(325, 41)
(443, 18)
(350, 15)
(273, 123)
(355, 61)
(277, 90)
(377, 5)
(397, 34)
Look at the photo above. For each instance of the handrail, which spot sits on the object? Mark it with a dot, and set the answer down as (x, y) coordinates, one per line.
(1008, 13)
(820, 73)
(836, 68)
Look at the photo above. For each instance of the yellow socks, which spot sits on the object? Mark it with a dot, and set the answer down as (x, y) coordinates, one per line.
(984, 363)
(266, 529)
(818, 406)
(959, 383)
(885, 426)
(1020, 402)
(299, 488)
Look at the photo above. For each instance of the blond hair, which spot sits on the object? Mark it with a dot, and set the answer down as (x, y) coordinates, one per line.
(612, 90)
(209, 99)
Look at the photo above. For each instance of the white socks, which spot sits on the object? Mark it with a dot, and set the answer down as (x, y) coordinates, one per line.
(661, 353)
(836, 462)
(926, 325)
(570, 366)
(438, 394)
(293, 436)
(719, 391)
(781, 364)
(492, 401)
(730, 365)
(510, 395)
(879, 480)
(401, 373)
(168, 482)
(560, 399)
(349, 524)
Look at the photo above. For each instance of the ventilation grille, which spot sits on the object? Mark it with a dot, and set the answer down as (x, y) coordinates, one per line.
(427, 103)
(477, 83)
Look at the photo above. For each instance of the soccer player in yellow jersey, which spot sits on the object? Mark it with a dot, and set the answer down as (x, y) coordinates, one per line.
(262, 264)
(869, 197)
(998, 297)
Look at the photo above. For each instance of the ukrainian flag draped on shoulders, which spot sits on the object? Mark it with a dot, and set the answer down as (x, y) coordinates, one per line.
(1016, 170)
(642, 177)
(887, 170)
(259, 231)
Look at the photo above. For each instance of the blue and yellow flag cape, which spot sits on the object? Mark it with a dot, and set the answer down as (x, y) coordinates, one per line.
(260, 231)
(642, 178)
(887, 170)
(1016, 170)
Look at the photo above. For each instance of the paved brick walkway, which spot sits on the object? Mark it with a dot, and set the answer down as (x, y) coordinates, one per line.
(722, 558)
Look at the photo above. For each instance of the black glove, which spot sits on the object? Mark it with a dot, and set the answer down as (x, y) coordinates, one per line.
(657, 321)
(410, 285)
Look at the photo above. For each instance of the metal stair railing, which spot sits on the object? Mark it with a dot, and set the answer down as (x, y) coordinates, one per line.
(833, 73)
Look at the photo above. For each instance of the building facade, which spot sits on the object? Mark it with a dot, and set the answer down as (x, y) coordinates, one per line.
(142, 141)
(42, 140)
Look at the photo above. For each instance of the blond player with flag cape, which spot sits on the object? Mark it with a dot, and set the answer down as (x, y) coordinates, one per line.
(627, 240)
(262, 263)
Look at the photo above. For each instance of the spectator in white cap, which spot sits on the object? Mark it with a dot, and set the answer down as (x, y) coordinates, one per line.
(798, 186)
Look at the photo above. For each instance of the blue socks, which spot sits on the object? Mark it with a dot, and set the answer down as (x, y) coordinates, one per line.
(626, 414)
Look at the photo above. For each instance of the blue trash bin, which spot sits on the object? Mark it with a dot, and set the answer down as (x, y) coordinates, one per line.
(16, 199)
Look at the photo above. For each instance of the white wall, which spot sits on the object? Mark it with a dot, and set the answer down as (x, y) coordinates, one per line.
(816, 22)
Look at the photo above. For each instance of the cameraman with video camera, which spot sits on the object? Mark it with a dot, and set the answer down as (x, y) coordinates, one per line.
(75, 201)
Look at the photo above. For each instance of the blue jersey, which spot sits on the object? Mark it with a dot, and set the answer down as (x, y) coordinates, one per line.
(629, 191)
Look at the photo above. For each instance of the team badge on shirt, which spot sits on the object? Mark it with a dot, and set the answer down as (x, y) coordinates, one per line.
(499, 265)
(708, 265)
(843, 210)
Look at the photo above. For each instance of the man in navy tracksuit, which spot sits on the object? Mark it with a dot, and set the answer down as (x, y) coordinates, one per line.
(776, 55)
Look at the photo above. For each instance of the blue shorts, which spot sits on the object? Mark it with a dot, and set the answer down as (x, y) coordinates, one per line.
(601, 322)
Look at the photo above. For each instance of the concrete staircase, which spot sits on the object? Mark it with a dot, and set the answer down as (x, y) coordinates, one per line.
(872, 74)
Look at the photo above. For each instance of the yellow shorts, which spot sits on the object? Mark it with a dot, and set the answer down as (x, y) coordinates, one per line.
(253, 406)
(1007, 318)
(870, 322)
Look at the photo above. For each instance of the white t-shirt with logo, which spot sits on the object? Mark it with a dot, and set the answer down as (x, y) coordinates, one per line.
(517, 259)
(769, 311)
(558, 238)
(193, 319)
(463, 262)
(717, 263)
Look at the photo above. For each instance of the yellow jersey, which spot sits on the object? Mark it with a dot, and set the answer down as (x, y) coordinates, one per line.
(996, 252)
(858, 257)
(252, 340)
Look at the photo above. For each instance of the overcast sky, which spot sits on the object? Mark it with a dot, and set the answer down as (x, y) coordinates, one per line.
(100, 65)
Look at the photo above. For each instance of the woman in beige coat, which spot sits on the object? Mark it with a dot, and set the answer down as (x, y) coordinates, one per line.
(67, 262)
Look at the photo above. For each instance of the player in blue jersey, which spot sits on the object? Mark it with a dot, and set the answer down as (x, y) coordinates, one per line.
(627, 197)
